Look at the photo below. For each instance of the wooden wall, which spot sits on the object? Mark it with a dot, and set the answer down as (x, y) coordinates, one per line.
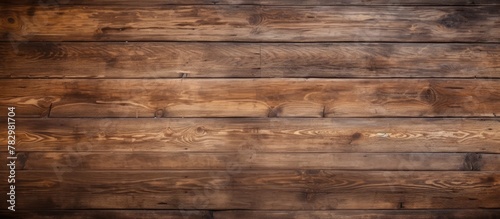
(252, 108)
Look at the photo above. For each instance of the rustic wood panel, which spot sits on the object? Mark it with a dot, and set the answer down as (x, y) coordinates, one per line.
(361, 214)
(252, 98)
(248, 158)
(105, 182)
(248, 214)
(381, 60)
(129, 60)
(262, 135)
(251, 2)
(122, 214)
(250, 23)
(174, 60)
(255, 200)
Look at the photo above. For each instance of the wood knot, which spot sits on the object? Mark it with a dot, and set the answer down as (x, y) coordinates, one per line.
(11, 20)
(22, 158)
(159, 113)
(275, 112)
(459, 18)
(201, 131)
(255, 19)
(308, 196)
(356, 136)
(452, 20)
(428, 95)
(472, 162)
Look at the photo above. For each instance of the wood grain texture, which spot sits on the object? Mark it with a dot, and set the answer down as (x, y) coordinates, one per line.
(218, 60)
(250, 2)
(106, 182)
(255, 200)
(250, 159)
(129, 60)
(122, 214)
(262, 135)
(252, 98)
(249, 214)
(380, 60)
(361, 214)
(250, 23)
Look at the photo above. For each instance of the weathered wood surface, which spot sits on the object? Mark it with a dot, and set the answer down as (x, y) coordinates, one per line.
(105, 182)
(250, 214)
(250, 23)
(121, 214)
(252, 98)
(361, 214)
(248, 158)
(262, 135)
(218, 60)
(208, 199)
(251, 2)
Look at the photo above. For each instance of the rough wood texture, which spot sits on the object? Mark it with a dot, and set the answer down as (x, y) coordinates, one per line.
(411, 89)
(262, 200)
(250, 23)
(252, 98)
(251, 2)
(121, 214)
(175, 60)
(248, 158)
(261, 135)
(361, 214)
(105, 182)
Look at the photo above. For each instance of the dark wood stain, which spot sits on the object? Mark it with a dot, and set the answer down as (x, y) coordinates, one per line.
(198, 109)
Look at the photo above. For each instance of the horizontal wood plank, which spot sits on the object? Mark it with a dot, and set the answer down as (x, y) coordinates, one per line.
(250, 23)
(361, 214)
(175, 60)
(248, 214)
(250, 2)
(262, 135)
(251, 159)
(252, 98)
(106, 182)
(129, 60)
(122, 214)
(254, 200)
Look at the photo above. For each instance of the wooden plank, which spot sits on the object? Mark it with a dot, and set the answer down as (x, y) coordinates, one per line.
(252, 98)
(129, 60)
(253, 200)
(251, 23)
(380, 60)
(123, 214)
(174, 60)
(133, 182)
(262, 135)
(250, 159)
(242, 214)
(362, 214)
(249, 2)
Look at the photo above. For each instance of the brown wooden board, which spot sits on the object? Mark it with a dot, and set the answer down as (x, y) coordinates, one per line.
(219, 60)
(122, 214)
(261, 135)
(252, 98)
(254, 200)
(109, 182)
(361, 214)
(249, 159)
(250, 23)
(251, 2)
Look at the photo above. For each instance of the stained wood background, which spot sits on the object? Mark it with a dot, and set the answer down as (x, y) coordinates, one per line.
(252, 108)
